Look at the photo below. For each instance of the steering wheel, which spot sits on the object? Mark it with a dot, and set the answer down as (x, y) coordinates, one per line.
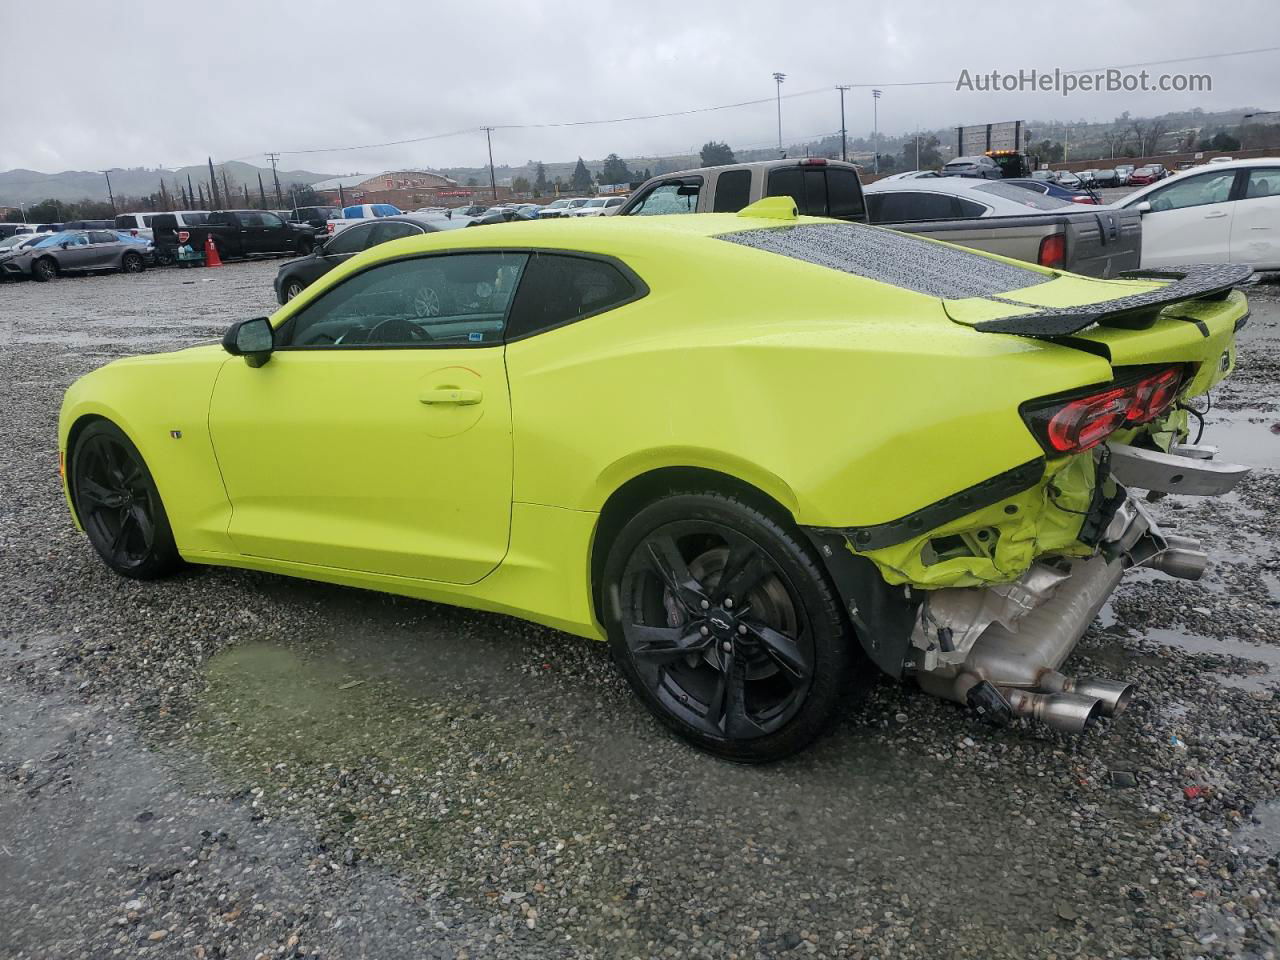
(426, 303)
(397, 330)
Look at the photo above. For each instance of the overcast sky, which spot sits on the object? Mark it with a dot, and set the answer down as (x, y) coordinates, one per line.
(92, 84)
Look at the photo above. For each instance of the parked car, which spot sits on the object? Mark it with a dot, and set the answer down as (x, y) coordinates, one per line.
(236, 234)
(469, 210)
(980, 166)
(11, 246)
(359, 213)
(913, 175)
(1051, 189)
(316, 217)
(598, 207)
(1046, 176)
(1068, 179)
(135, 224)
(1123, 171)
(76, 251)
(89, 225)
(296, 275)
(563, 207)
(520, 449)
(14, 229)
(1086, 177)
(1105, 177)
(1143, 176)
(171, 230)
(1224, 213)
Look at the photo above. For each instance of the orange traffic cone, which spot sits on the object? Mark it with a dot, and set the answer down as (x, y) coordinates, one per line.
(211, 258)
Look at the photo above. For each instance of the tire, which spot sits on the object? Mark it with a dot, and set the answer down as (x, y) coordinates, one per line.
(44, 270)
(132, 263)
(292, 289)
(751, 685)
(119, 506)
(164, 258)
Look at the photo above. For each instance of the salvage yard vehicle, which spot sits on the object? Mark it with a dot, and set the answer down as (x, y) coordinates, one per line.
(359, 213)
(77, 251)
(1225, 213)
(296, 275)
(236, 234)
(521, 451)
(977, 213)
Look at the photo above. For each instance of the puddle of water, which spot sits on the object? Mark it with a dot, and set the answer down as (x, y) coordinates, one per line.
(1266, 656)
(1245, 436)
(1264, 834)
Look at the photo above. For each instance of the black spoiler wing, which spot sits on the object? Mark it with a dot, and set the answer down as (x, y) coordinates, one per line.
(1210, 281)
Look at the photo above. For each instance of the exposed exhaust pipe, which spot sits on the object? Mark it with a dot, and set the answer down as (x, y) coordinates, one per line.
(1113, 694)
(1068, 712)
(1183, 558)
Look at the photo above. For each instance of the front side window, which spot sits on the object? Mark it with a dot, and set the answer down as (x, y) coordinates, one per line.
(1194, 191)
(454, 300)
(392, 230)
(557, 289)
(351, 240)
(269, 220)
(674, 196)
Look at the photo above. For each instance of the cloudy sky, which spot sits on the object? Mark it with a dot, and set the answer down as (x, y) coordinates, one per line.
(146, 83)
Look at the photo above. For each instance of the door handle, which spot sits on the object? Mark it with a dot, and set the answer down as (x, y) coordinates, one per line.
(459, 396)
(1215, 215)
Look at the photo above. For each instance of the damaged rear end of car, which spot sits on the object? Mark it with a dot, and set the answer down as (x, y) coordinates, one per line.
(982, 595)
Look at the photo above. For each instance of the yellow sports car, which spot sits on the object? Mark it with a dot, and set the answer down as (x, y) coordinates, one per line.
(756, 452)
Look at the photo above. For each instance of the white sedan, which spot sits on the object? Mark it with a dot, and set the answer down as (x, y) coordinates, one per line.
(597, 207)
(1227, 213)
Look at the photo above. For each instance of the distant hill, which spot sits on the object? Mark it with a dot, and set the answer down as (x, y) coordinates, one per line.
(70, 186)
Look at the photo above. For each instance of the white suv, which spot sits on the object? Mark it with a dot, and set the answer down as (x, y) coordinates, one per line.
(597, 207)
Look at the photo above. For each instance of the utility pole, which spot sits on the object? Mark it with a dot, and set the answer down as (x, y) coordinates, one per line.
(875, 129)
(110, 196)
(274, 157)
(493, 183)
(844, 137)
(778, 78)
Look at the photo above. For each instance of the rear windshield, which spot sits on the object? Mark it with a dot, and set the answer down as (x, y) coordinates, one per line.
(1027, 198)
(899, 259)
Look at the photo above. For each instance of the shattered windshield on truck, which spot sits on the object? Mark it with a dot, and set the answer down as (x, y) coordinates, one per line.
(937, 270)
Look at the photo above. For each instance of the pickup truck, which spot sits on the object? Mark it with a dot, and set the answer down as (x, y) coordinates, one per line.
(236, 233)
(1098, 242)
(360, 213)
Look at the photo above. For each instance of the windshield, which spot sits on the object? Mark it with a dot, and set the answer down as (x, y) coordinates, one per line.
(14, 240)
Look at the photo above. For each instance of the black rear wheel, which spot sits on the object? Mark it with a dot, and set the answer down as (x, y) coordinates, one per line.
(131, 263)
(726, 625)
(44, 270)
(119, 506)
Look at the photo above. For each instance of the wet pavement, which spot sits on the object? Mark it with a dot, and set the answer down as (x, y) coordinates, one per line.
(229, 764)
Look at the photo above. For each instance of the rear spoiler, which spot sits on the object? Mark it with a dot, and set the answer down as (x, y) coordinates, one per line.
(1210, 281)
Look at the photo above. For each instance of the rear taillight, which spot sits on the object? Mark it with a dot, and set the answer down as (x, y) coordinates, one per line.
(184, 236)
(1053, 251)
(1083, 198)
(328, 228)
(133, 231)
(1079, 421)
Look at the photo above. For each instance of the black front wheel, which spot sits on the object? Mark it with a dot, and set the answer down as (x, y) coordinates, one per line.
(726, 625)
(119, 506)
(292, 289)
(131, 263)
(44, 270)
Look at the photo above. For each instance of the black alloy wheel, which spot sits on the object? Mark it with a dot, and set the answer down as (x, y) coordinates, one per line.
(119, 506)
(131, 263)
(727, 626)
(44, 270)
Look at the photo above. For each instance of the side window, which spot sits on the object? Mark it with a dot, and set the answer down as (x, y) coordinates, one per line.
(454, 300)
(815, 192)
(966, 209)
(218, 219)
(269, 220)
(905, 206)
(674, 196)
(1263, 183)
(733, 191)
(787, 182)
(557, 289)
(1194, 191)
(351, 240)
(103, 236)
(844, 194)
(382, 232)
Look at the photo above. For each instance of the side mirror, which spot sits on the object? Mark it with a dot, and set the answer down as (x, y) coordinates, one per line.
(1143, 207)
(65, 245)
(252, 339)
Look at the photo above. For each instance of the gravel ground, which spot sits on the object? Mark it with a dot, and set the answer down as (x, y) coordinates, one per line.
(229, 764)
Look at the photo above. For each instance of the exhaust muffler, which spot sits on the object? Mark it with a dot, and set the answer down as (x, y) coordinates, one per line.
(1182, 558)
(1068, 712)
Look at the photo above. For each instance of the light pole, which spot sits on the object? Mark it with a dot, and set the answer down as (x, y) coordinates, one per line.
(875, 129)
(778, 78)
(110, 196)
(493, 183)
(844, 138)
